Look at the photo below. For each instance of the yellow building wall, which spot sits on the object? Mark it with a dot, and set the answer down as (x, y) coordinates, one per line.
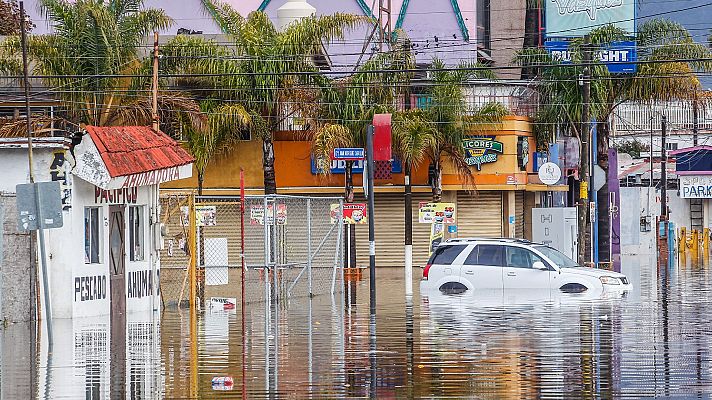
(293, 166)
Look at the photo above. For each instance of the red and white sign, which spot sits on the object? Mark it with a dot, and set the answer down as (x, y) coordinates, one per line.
(354, 213)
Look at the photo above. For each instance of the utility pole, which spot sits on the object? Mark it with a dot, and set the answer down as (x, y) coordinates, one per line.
(154, 85)
(695, 122)
(585, 150)
(663, 171)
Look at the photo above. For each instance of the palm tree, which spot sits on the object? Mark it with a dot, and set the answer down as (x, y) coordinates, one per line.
(347, 107)
(449, 120)
(88, 61)
(561, 100)
(225, 125)
(267, 66)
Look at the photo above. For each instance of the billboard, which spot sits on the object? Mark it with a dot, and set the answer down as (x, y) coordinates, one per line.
(619, 57)
(573, 18)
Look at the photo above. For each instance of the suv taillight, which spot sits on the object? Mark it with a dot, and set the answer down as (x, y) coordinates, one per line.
(426, 271)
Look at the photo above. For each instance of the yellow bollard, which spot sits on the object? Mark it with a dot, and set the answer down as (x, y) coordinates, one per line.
(706, 240)
(695, 243)
(682, 243)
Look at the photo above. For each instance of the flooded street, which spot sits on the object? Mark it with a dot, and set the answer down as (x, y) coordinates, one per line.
(654, 341)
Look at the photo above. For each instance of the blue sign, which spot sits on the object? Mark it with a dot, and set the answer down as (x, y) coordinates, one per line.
(339, 167)
(574, 18)
(452, 229)
(349, 153)
(619, 57)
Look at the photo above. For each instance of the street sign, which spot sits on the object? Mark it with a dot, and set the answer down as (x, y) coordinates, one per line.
(50, 206)
(599, 177)
(549, 173)
(348, 153)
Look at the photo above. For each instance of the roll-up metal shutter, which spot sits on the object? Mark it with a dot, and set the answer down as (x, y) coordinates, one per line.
(519, 214)
(390, 228)
(479, 215)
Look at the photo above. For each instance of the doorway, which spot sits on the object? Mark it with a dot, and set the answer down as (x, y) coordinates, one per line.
(117, 271)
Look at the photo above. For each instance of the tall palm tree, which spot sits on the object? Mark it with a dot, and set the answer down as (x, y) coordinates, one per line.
(88, 61)
(266, 65)
(347, 107)
(561, 100)
(450, 119)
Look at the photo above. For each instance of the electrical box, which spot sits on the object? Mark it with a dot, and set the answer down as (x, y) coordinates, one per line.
(556, 227)
(645, 224)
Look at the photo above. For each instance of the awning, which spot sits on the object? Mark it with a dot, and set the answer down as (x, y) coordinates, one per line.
(117, 157)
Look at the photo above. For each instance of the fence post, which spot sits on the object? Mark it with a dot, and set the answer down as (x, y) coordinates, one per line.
(337, 264)
(193, 250)
(309, 248)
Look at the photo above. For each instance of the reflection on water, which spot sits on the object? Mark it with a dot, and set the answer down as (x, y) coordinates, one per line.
(654, 341)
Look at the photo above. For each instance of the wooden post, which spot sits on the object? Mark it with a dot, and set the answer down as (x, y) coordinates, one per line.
(154, 85)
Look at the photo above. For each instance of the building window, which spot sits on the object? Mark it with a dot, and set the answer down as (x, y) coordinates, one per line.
(483, 24)
(671, 146)
(136, 224)
(92, 235)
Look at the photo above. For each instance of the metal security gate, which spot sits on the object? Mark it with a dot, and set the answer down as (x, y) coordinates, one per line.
(293, 248)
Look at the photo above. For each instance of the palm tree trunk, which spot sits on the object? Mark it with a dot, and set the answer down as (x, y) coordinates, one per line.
(436, 182)
(268, 165)
(201, 177)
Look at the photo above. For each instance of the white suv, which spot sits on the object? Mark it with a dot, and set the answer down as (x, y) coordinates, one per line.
(460, 265)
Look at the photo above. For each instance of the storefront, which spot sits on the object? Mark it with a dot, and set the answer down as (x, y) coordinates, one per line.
(496, 205)
(104, 259)
(693, 167)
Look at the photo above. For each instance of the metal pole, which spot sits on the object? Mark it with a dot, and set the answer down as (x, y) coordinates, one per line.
(43, 262)
(242, 281)
(371, 218)
(28, 121)
(695, 120)
(663, 171)
(309, 250)
(408, 233)
(26, 84)
(193, 253)
(265, 276)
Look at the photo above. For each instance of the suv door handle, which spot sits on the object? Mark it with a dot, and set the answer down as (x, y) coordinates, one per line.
(511, 274)
(469, 272)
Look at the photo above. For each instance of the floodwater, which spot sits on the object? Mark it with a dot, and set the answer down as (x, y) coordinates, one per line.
(655, 341)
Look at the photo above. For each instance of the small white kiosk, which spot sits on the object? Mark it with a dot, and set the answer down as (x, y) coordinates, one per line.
(105, 259)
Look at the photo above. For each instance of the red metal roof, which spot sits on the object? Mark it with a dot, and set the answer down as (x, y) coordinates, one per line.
(128, 150)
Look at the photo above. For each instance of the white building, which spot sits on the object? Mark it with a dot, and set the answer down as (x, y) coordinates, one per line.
(105, 257)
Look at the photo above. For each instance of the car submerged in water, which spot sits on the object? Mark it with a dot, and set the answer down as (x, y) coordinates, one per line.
(471, 265)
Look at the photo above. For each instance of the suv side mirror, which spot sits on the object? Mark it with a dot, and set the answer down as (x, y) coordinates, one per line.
(540, 266)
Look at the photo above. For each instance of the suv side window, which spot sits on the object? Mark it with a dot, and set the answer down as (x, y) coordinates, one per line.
(488, 254)
(518, 257)
(445, 255)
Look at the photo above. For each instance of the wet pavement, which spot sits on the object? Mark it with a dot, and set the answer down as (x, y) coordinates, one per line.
(654, 341)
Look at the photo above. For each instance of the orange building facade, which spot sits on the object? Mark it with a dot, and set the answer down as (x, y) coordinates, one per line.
(498, 205)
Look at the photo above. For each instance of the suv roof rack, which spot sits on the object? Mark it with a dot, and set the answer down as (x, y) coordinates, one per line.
(489, 239)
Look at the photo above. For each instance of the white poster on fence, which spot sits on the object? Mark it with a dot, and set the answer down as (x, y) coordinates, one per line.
(216, 261)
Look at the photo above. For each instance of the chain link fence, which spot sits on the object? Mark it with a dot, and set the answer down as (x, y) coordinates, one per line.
(292, 247)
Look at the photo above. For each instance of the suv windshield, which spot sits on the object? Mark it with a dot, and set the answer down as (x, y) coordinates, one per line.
(557, 257)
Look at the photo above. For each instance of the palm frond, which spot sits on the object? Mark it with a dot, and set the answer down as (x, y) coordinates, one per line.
(229, 21)
(326, 139)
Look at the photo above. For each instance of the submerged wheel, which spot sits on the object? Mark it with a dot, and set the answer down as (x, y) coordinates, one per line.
(573, 288)
(453, 288)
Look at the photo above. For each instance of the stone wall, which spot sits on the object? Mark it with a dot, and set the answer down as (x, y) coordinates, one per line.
(14, 264)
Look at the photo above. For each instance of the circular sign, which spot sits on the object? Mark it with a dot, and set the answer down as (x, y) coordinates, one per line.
(549, 173)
